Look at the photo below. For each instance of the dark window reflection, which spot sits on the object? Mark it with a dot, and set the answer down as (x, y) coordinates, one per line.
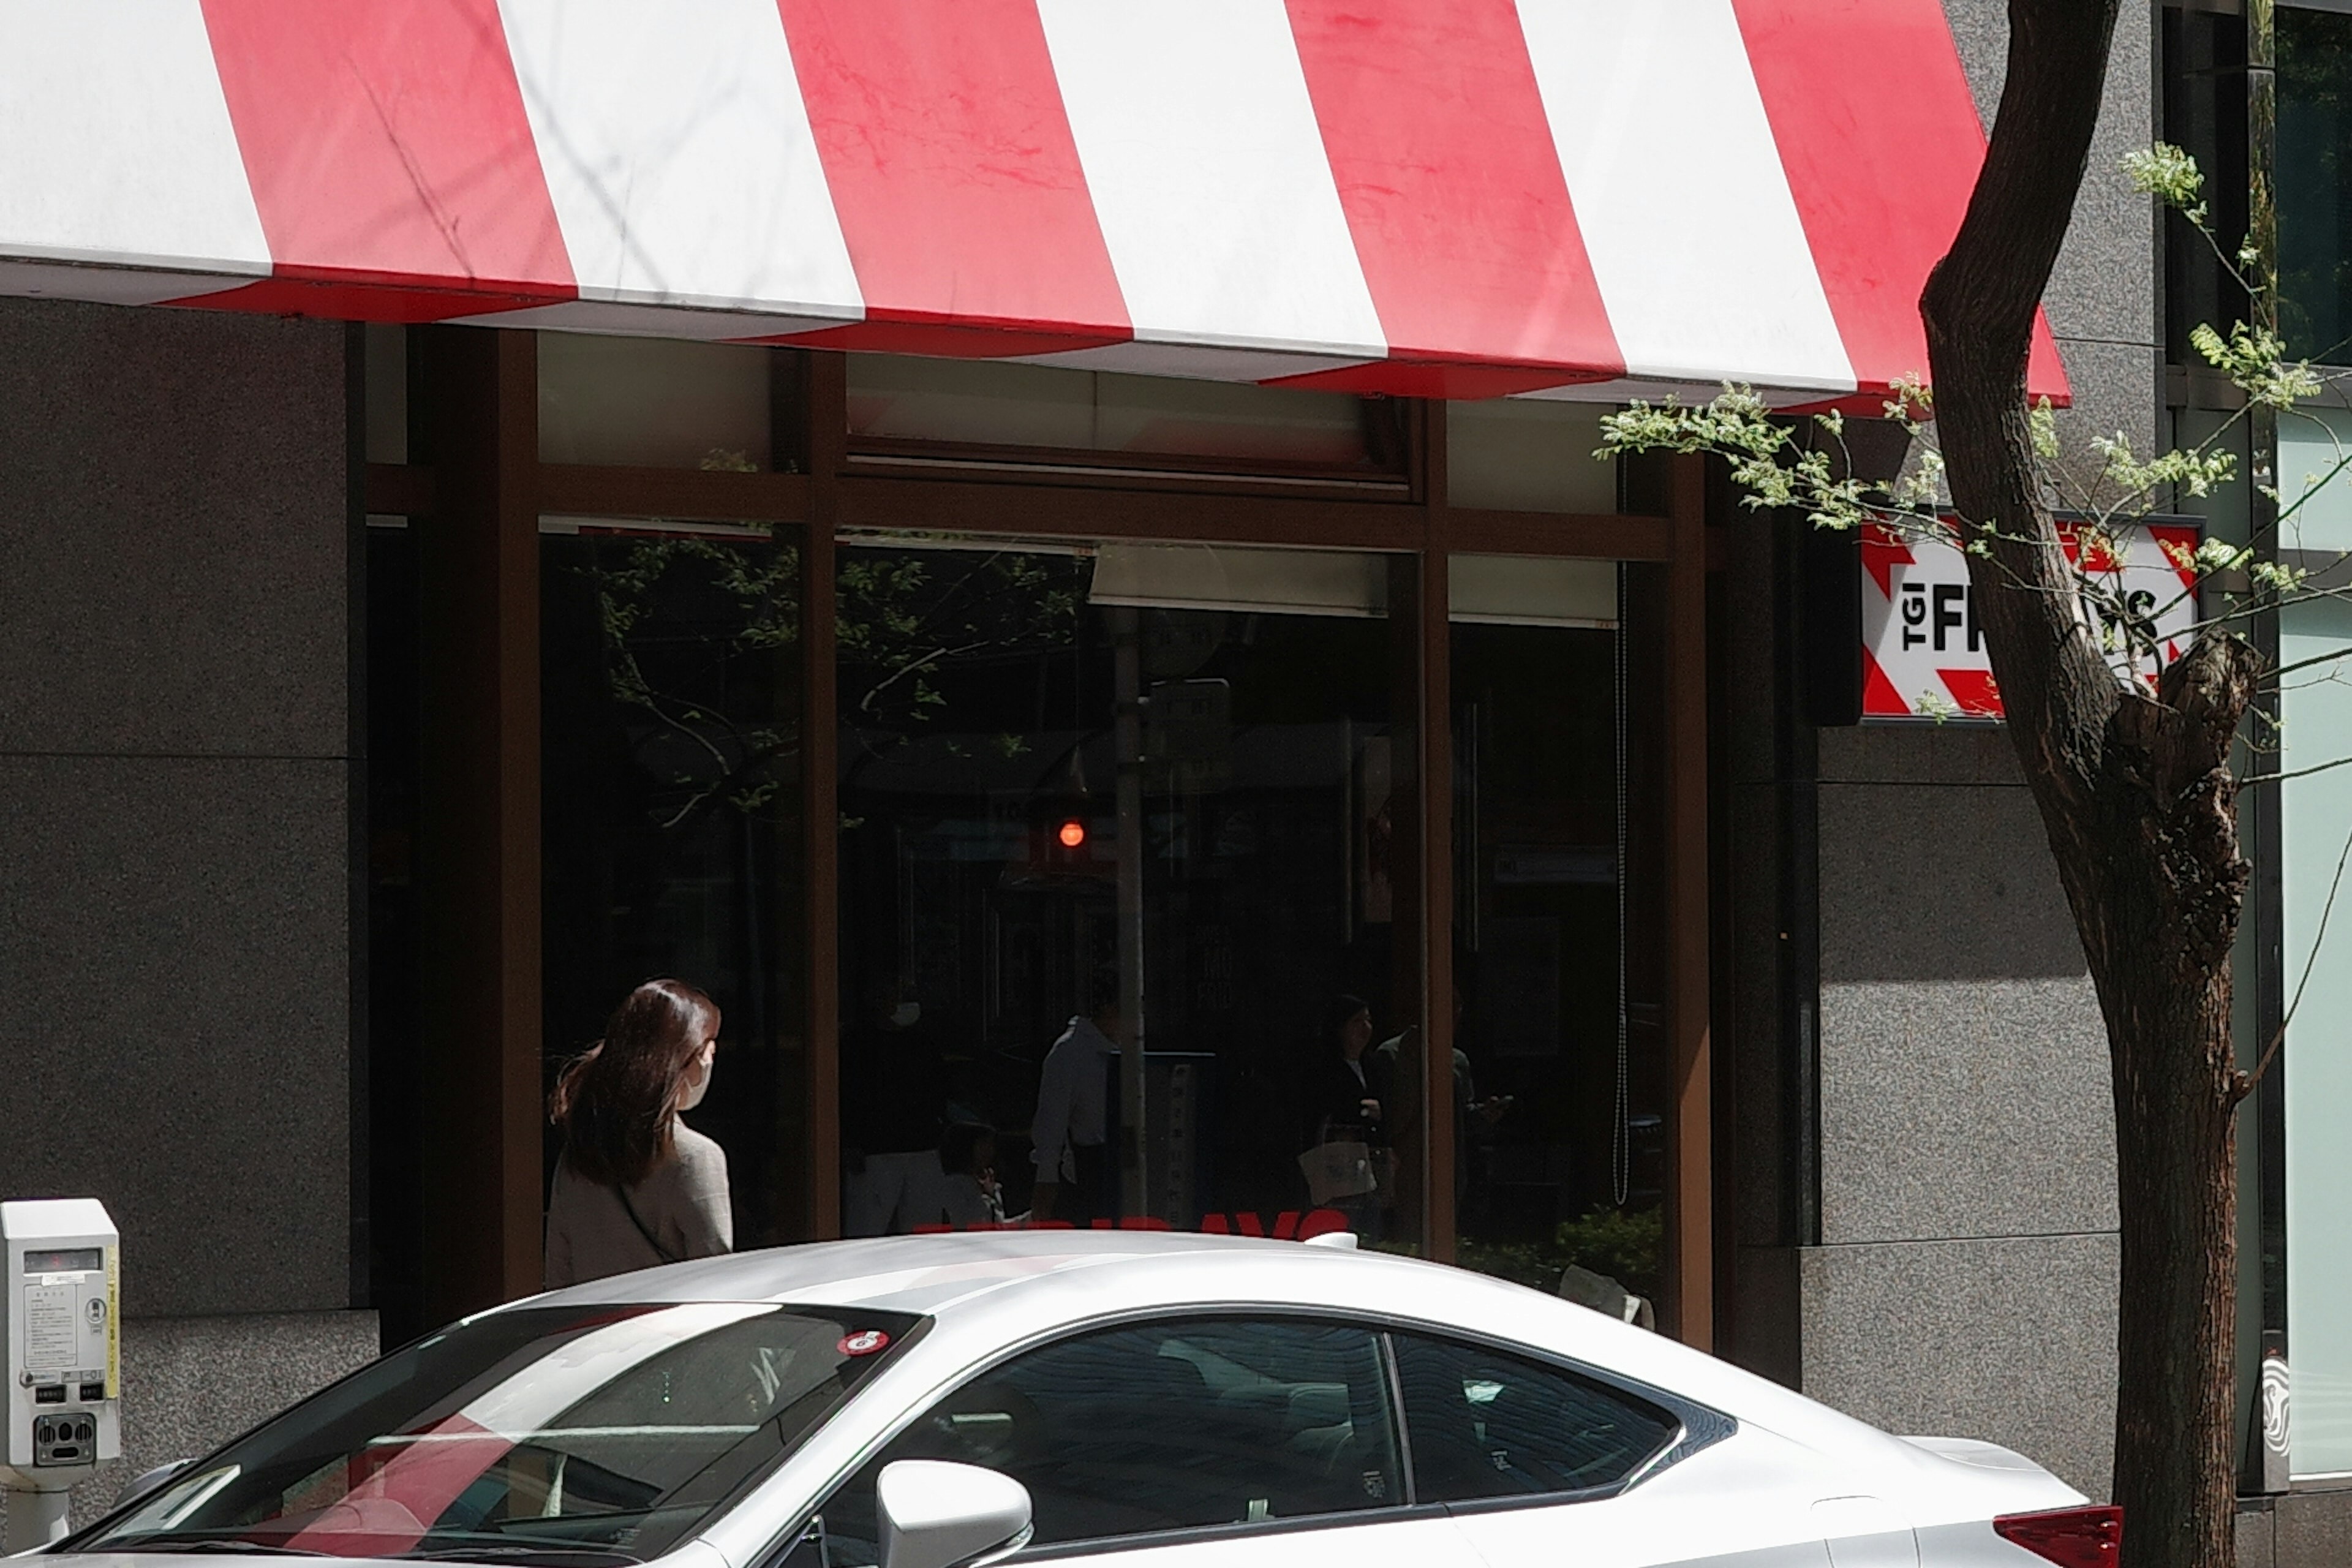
(671, 790)
(1487, 1424)
(1558, 1087)
(396, 1237)
(1168, 1426)
(982, 754)
(2315, 183)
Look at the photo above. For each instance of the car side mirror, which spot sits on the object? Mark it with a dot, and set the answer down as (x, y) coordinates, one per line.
(935, 1514)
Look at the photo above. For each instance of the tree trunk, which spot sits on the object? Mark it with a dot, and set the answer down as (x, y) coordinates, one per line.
(2136, 795)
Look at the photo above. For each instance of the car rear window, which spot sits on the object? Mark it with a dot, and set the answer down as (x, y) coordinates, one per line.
(1486, 1424)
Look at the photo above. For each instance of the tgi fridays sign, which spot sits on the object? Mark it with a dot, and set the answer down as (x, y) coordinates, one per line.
(1923, 656)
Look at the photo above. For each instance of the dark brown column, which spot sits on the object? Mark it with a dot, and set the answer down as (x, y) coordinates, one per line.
(1689, 1307)
(828, 439)
(479, 823)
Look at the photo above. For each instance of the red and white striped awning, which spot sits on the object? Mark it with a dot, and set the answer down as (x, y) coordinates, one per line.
(1437, 197)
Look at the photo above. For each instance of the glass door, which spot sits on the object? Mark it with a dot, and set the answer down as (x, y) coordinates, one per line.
(1558, 1083)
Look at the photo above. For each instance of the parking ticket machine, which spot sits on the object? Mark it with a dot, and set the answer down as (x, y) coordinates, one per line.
(60, 1320)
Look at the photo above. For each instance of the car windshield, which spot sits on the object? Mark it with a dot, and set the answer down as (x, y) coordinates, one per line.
(548, 1434)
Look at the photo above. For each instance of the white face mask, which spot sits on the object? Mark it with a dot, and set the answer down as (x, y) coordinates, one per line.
(701, 1086)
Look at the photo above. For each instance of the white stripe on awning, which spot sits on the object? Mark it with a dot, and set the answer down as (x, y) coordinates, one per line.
(116, 146)
(1685, 210)
(675, 185)
(1208, 173)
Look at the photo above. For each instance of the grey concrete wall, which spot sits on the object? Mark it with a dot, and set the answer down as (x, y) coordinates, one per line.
(190, 1384)
(2308, 1528)
(175, 753)
(1964, 1279)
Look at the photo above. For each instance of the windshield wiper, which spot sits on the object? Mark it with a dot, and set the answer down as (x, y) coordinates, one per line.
(499, 1550)
(211, 1544)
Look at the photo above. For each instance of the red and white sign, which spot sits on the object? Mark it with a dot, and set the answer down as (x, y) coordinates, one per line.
(1923, 654)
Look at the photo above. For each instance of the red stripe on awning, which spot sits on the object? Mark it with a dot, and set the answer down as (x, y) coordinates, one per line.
(941, 340)
(345, 301)
(1466, 381)
(1880, 206)
(388, 146)
(954, 173)
(1437, 139)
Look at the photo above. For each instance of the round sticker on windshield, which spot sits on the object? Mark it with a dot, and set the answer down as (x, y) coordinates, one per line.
(864, 1342)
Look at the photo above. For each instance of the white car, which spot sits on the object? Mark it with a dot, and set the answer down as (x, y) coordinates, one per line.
(1147, 1400)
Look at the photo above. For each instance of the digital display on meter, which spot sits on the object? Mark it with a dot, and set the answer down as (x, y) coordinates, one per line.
(64, 1261)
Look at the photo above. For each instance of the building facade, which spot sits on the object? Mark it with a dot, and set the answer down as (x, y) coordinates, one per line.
(390, 695)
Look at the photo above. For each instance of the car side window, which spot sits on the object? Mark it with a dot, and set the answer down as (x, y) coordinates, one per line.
(1171, 1425)
(1482, 1424)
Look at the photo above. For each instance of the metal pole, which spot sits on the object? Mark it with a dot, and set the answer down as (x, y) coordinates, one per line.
(1128, 736)
(35, 1520)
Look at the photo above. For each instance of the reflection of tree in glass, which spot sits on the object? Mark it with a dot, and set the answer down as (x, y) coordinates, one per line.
(906, 617)
(713, 739)
(902, 619)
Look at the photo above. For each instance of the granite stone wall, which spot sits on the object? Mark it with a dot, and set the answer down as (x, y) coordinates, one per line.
(175, 751)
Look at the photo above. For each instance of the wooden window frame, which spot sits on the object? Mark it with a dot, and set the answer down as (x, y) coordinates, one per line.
(843, 490)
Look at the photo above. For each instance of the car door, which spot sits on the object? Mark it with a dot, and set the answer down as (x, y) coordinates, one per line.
(1541, 1464)
(1179, 1442)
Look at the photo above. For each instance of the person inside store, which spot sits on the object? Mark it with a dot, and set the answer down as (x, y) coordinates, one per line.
(1341, 1110)
(1395, 1063)
(634, 1185)
(1077, 1180)
(892, 1096)
(969, 1196)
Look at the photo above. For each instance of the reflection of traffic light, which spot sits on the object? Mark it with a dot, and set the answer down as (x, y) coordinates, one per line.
(1060, 819)
(1067, 841)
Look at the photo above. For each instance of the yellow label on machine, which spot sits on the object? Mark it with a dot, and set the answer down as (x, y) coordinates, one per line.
(114, 1322)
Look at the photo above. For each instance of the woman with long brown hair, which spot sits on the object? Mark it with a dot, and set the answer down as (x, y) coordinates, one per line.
(635, 1186)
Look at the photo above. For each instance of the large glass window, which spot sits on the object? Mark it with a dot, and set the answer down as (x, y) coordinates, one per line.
(2314, 183)
(1093, 790)
(1528, 455)
(658, 404)
(395, 1094)
(1157, 1427)
(1558, 1083)
(2312, 453)
(917, 406)
(2316, 711)
(671, 786)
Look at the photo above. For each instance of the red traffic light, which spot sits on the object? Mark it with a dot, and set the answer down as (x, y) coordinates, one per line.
(1071, 833)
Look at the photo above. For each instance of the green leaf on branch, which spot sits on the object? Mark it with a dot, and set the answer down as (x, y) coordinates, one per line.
(2169, 174)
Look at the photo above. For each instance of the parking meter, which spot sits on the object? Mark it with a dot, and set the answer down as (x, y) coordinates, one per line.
(60, 1320)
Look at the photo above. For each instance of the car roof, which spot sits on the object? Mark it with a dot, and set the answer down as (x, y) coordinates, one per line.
(927, 1274)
